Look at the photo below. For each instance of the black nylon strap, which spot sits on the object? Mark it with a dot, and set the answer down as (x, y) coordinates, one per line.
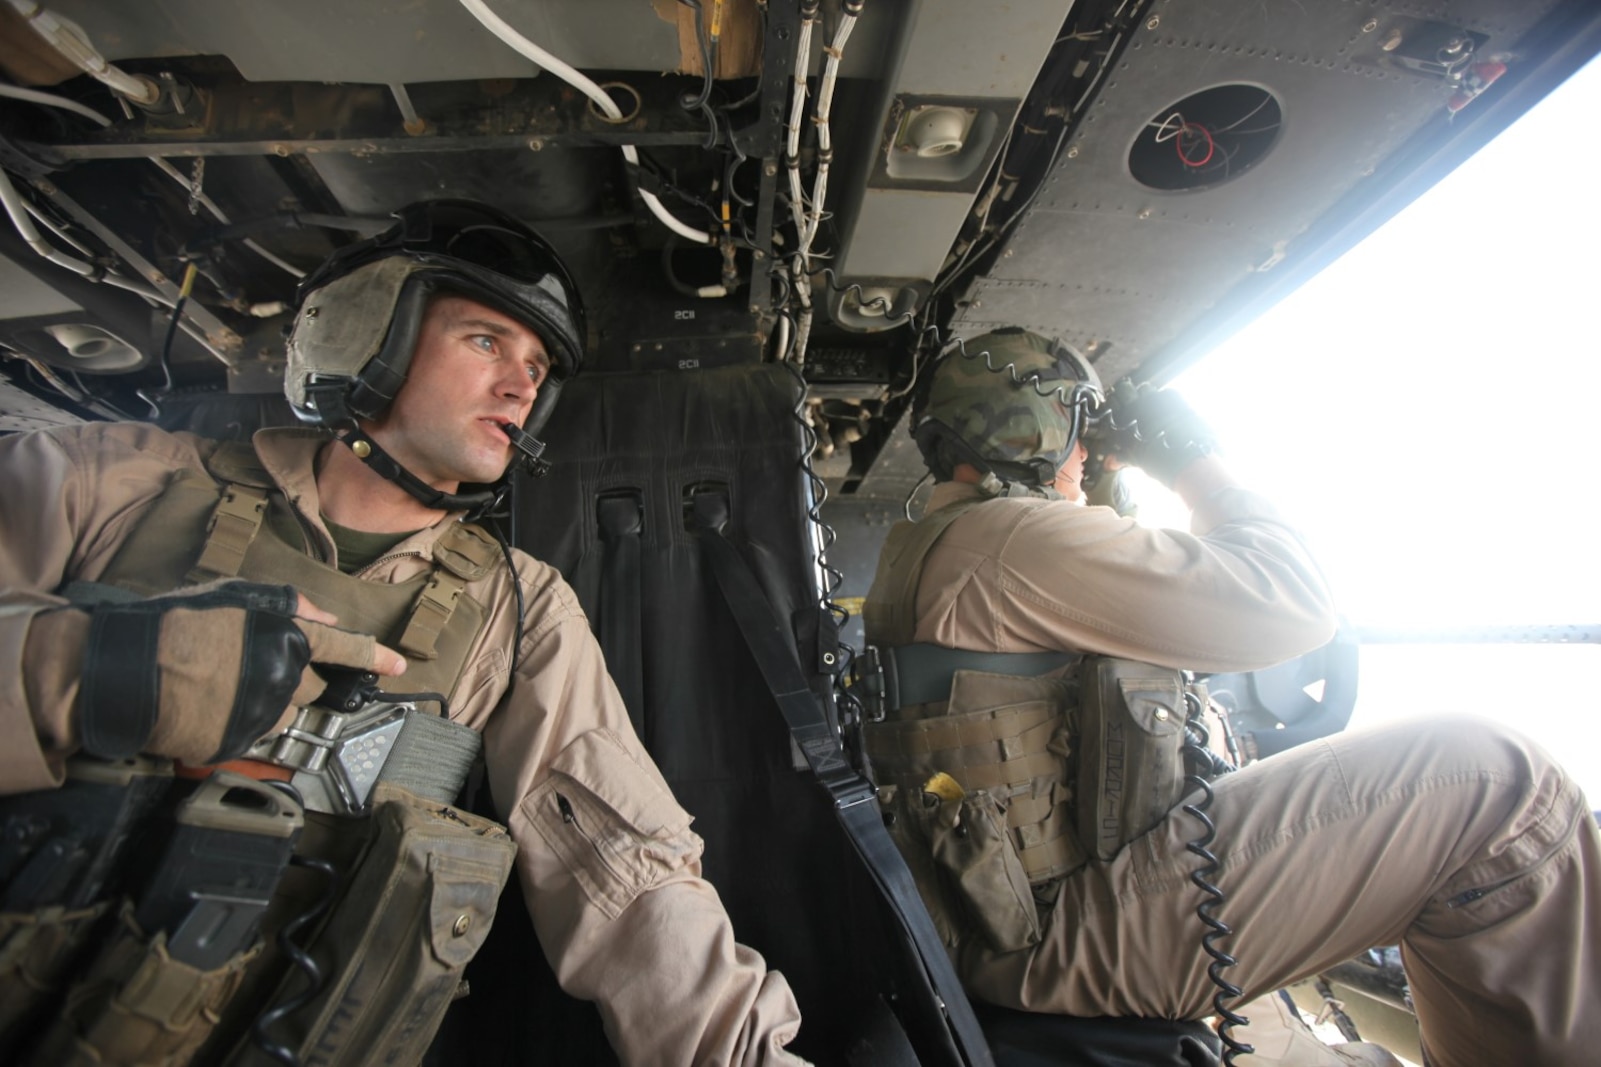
(622, 520)
(921, 673)
(855, 799)
(120, 695)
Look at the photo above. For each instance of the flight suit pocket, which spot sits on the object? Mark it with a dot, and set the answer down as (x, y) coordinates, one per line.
(613, 822)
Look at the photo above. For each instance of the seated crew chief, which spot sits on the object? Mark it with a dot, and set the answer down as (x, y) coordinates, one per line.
(1457, 839)
(431, 348)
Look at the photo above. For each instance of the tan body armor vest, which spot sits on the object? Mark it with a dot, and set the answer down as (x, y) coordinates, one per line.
(976, 787)
(205, 527)
(411, 890)
(1015, 780)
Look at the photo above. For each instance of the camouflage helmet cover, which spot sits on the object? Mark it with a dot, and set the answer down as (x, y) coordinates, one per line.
(1005, 402)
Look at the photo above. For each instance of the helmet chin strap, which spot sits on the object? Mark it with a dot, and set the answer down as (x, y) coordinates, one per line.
(369, 452)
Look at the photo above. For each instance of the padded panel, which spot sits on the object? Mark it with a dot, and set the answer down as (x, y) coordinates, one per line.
(773, 847)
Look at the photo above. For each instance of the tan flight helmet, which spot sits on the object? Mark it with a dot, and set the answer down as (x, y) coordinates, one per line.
(357, 319)
(1012, 404)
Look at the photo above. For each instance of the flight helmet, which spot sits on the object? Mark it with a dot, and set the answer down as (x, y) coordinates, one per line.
(357, 315)
(1011, 403)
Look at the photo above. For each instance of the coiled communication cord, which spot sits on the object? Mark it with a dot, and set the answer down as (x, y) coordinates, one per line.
(1201, 763)
(829, 577)
(300, 958)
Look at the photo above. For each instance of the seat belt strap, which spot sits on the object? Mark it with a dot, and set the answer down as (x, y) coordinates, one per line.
(621, 517)
(855, 800)
(922, 673)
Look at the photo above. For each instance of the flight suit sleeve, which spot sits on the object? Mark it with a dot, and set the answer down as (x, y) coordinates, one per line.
(1239, 592)
(40, 647)
(611, 869)
(70, 496)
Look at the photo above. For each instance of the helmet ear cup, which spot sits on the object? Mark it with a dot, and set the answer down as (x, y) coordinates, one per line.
(359, 314)
(374, 389)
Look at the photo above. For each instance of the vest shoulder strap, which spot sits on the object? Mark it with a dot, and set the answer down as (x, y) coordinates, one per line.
(464, 553)
(232, 527)
(890, 613)
(467, 551)
(237, 462)
(239, 513)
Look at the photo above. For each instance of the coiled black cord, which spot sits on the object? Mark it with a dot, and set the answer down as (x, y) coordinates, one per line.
(851, 708)
(301, 959)
(1201, 764)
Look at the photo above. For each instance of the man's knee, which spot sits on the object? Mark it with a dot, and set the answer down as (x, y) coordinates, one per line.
(1454, 747)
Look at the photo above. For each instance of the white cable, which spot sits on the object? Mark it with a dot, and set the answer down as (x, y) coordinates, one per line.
(34, 96)
(61, 235)
(529, 50)
(17, 208)
(825, 102)
(68, 38)
(217, 213)
(797, 107)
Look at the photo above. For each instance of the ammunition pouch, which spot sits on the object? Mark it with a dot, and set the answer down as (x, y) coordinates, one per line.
(389, 957)
(39, 955)
(136, 1004)
(997, 784)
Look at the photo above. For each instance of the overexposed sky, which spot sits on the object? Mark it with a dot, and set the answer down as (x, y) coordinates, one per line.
(1428, 411)
(1428, 407)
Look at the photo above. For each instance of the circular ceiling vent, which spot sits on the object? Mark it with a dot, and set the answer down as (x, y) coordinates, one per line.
(1206, 138)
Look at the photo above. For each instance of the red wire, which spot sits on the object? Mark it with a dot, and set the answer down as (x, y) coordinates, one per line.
(1178, 144)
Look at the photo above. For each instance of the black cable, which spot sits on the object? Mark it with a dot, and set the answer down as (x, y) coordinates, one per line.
(516, 585)
(832, 576)
(701, 103)
(300, 958)
(1201, 763)
(165, 359)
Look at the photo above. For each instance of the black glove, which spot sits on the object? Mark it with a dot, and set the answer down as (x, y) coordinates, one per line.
(200, 675)
(1157, 431)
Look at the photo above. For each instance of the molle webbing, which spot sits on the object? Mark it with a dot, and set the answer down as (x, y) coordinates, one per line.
(1003, 733)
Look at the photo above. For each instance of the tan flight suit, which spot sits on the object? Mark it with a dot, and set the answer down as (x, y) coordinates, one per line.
(632, 925)
(1457, 839)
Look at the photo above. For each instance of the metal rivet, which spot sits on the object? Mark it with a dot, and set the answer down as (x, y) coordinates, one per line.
(362, 449)
(1392, 41)
(535, 144)
(1072, 153)
(1145, 213)
(463, 924)
(312, 312)
(1370, 25)
(828, 658)
(1153, 22)
(1161, 714)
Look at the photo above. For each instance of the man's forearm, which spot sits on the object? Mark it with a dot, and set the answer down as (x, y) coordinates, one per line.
(1203, 477)
(41, 653)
